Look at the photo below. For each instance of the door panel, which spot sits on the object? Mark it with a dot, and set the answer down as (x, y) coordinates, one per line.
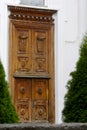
(23, 110)
(23, 98)
(40, 110)
(40, 51)
(31, 99)
(40, 89)
(40, 100)
(23, 51)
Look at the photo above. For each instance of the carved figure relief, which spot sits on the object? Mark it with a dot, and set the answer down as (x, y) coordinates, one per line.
(41, 44)
(22, 43)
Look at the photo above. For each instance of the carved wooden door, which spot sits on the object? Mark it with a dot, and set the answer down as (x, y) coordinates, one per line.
(23, 98)
(31, 99)
(31, 63)
(40, 100)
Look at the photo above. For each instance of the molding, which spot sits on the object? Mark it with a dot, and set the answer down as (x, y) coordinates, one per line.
(31, 14)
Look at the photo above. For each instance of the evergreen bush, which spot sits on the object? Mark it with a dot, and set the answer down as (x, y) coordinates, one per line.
(75, 101)
(7, 110)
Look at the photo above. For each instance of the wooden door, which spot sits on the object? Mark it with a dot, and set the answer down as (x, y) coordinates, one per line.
(40, 100)
(31, 65)
(22, 97)
(31, 99)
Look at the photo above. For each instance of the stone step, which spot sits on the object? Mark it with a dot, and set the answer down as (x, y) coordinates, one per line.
(44, 126)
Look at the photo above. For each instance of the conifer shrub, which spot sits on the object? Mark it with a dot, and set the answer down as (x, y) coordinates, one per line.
(75, 101)
(7, 110)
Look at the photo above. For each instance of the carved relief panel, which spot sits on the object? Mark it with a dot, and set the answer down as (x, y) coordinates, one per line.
(23, 50)
(23, 111)
(23, 37)
(40, 51)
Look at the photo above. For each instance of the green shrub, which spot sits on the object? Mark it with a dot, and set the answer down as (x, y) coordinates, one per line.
(7, 110)
(75, 102)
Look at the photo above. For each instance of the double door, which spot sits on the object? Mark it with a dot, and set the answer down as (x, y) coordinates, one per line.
(30, 73)
(31, 66)
(31, 99)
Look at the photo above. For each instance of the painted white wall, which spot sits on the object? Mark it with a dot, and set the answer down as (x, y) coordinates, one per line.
(70, 26)
(3, 35)
(66, 50)
(83, 17)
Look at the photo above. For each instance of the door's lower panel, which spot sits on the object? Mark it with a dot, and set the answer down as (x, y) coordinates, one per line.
(23, 111)
(40, 99)
(31, 99)
(40, 110)
(22, 98)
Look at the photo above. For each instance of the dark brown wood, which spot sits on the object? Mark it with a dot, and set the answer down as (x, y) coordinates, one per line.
(31, 65)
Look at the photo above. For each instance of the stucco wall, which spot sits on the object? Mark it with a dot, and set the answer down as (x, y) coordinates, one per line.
(70, 26)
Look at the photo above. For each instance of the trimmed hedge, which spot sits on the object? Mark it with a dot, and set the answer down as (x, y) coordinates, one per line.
(75, 105)
(7, 110)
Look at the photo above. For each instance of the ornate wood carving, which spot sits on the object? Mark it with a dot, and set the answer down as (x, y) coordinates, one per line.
(31, 63)
(23, 98)
(40, 110)
(23, 111)
(40, 44)
(23, 60)
(32, 14)
(41, 51)
(22, 43)
(40, 100)
(22, 40)
(40, 65)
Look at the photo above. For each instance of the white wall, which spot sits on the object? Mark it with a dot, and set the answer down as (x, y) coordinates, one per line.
(70, 25)
(66, 47)
(3, 34)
